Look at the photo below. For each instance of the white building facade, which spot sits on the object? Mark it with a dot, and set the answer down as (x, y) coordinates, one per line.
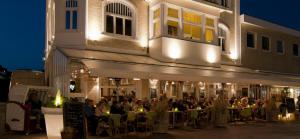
(181, 48)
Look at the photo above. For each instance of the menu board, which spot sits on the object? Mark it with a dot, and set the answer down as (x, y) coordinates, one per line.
(74, 118)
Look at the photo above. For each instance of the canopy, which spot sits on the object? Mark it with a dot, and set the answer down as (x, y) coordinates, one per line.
(108, 64)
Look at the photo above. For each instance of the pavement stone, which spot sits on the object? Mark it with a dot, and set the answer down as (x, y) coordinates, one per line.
(289, 130)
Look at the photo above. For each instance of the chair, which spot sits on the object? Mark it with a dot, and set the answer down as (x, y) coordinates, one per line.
(115, 123)
(142, 121)
(246, 113)
(131, 117)
(104, 126)
(150, 121)
(194, 118)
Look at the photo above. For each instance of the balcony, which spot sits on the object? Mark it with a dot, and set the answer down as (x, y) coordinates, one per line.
(169, 49)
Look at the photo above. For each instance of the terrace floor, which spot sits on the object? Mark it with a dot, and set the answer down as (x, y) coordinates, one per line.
(237, 131)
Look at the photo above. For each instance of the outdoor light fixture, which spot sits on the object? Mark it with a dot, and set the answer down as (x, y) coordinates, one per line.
(136, 79)
(81, 70)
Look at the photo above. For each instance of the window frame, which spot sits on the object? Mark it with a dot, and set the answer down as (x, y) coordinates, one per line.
(295, 44)
(181, 22)
(124, 18)
(192, 24)
(254, 39)
(222, 37)
(178, 20)
(283, 47)
(71, 8)
(270, 43)
(154, 20)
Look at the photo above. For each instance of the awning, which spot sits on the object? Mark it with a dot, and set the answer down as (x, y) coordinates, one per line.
(107, 64)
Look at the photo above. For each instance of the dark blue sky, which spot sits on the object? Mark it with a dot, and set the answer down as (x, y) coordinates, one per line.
(23, 26)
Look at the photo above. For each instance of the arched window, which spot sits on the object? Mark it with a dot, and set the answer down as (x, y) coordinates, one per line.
(71, 14)
(119, 19)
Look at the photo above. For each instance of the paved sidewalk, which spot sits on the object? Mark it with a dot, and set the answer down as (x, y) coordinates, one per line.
(245, 131)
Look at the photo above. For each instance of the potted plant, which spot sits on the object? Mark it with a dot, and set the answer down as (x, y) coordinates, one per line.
(54, 116)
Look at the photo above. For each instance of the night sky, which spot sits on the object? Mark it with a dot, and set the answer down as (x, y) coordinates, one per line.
(22, 27)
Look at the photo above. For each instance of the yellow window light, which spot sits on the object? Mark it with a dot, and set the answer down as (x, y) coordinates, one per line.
(210, 22)
(172, 13)
(209, 35)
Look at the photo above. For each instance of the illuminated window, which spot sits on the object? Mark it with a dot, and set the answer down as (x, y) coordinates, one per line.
(172, 28)
(209, 35)
(209, 30)
(210, 22)
(192, 25)
(172, 12)
(119, 19)
(156, 23)
(192, 18)
(156, 13)
(173, 22)
(71, 16)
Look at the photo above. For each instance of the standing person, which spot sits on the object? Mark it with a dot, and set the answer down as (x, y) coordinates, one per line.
(35, 106)
(90, 116)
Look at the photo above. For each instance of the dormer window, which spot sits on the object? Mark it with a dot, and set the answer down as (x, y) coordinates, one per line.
(119, 19)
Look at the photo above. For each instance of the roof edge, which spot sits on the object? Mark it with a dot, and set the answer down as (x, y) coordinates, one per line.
(269, 25)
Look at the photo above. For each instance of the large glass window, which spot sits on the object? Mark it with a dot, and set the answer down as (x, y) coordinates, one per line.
(74, 21)
(192, 25)
(172, 28)
(224, 3)
(173, 22)
(119, 19)
(222, 39)
(250, 40)
(209, 30)
(71, 14)
(186, 24)
(128, 27)
(109, 24)
(295, 50)
(68, 19)
(280, 47)
(157, 22)
(265, 42)
(119, 26)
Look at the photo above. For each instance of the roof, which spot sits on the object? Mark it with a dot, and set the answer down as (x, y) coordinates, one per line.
(246, 19)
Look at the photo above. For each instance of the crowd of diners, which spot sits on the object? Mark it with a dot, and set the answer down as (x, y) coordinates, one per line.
(96, 112)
